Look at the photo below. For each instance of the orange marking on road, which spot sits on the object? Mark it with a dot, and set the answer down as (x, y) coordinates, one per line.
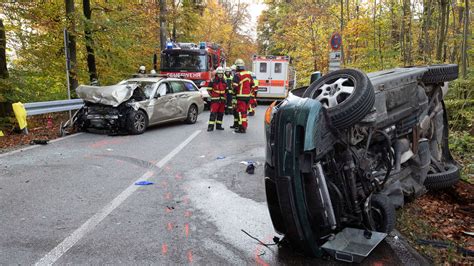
(168, 196)
(178, 176)
(186, 230)
(190, 256)
(164, 249)
(168, 210)
(170, 226)
(187, 214)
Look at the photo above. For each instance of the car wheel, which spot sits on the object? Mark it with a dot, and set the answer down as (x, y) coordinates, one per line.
(137, 122)
(192, 114)
(382, 213)
(444, 179)
(347, 94)
(440, 73)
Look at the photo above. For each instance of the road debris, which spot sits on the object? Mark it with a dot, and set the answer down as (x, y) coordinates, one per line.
(39, 141)
(220, 157)
(144, 183)
(250, 169)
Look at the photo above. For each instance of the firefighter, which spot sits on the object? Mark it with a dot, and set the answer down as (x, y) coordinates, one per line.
(229, 90)
(233, 68)
(217, 89)
(253, 98)
(243, 84)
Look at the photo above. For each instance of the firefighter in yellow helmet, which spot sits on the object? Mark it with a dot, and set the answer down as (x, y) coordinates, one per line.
(243, 84)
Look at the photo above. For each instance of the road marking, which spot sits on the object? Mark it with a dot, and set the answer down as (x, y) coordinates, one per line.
(36, 146)
(90, 224)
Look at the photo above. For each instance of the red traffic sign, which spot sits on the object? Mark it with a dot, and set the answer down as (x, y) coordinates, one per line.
(336, 41)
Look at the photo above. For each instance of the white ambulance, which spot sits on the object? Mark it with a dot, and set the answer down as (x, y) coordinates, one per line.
(275, 76)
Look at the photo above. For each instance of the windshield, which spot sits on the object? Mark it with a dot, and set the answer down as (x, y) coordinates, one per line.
(145, 88)
(177, 62)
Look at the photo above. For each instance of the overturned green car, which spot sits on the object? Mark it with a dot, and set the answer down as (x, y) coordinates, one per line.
(350, 150)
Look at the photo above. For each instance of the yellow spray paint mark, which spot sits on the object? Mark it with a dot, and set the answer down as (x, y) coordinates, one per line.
(1, 134)
(20, 114)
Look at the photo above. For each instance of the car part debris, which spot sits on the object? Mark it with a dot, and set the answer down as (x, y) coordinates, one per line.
(144, 183)
(39, 142)
(250, 169)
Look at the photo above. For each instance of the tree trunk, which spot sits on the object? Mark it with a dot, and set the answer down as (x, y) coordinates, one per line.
(3, 54)
(86, 6)
(427, 26)
(442, 30)
(464, 40)
(71, 46)
(163, 24)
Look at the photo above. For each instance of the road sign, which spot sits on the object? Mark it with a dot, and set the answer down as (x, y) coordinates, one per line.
(334, 61)
(336, 41)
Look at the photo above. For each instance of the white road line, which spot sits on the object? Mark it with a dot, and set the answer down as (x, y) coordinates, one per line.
(35, 146)
(90, 224)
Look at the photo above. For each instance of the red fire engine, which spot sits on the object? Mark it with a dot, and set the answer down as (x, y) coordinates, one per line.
(191, 61)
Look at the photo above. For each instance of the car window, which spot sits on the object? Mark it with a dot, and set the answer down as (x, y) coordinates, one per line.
(190, 86)
(177, 86)
(163, 89)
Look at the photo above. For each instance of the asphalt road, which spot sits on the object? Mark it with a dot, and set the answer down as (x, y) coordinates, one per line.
(74, 201)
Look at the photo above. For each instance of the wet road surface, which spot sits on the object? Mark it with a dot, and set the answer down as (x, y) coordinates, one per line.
(74, 201)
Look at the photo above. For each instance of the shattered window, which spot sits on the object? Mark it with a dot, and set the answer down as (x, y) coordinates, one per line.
(177, 86)
(189, 86)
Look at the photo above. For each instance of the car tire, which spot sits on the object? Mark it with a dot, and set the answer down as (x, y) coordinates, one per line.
(348, 101)
(137, 122)
(444, 179)
(383, 213)
(440, 73)
(192, 114)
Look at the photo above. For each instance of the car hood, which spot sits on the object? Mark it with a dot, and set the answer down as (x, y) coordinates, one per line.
(108, 95)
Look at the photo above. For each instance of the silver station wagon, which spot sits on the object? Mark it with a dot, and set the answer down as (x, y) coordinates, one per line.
(134, 104)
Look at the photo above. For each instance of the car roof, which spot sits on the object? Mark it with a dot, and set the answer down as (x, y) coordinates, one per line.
(156, 79)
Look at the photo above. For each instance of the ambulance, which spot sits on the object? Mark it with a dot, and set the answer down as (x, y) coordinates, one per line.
(275, 76)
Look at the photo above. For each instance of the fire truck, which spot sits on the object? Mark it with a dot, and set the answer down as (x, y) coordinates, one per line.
(191, 61)
(275, 76)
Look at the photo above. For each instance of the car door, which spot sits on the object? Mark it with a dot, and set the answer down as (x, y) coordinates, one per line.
(181, 98)
(164, 104)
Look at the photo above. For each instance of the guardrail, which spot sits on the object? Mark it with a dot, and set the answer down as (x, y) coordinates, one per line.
(38, 108)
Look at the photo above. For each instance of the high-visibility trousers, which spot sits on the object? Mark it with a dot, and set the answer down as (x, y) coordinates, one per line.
(217, 111)
(242, 107)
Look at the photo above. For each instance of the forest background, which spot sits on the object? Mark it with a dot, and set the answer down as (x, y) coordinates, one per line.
(111, 38)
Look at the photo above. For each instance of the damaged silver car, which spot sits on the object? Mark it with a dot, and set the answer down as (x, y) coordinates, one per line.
(354, 147)
(134, 104)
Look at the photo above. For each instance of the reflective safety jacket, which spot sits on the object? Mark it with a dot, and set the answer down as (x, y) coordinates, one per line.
(255, 87)
(228, 80)
(243, 84)
(217, 89)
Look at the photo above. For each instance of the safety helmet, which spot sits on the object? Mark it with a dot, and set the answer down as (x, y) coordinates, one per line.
(220, 70)
(152, 71)
(142, 68)
(233, 67)
(227, 69)
(239, 63)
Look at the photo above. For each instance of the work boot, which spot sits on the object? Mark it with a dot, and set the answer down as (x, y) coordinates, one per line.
(234, 126)
(210, 128)
(240, 129)
(219, 127)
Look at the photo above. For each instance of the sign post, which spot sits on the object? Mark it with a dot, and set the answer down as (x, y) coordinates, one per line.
(335, 55)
